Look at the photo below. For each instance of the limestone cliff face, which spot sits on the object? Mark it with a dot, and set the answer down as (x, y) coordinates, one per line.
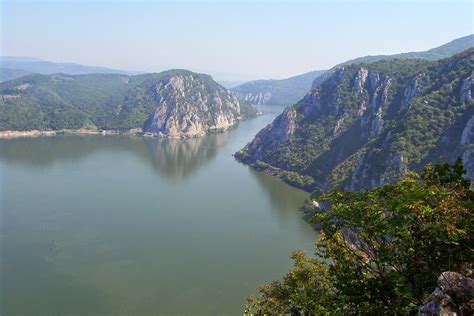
(276, 92)
(366, 125)
(453, 296)
(466, 89)
(274, 134)
(190, 105)
(258, 98)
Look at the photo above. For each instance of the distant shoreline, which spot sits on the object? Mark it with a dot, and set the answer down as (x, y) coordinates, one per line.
(10, 134)
(82, 131)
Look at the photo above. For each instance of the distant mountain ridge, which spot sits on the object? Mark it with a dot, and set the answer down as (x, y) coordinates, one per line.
(276, 92)
(12, 67)
(367, 124)
(444, 51)
(9, 74)
(174, 103)
(291, 90)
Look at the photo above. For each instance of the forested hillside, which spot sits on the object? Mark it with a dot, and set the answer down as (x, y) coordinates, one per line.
(367, 124)
(173, 103)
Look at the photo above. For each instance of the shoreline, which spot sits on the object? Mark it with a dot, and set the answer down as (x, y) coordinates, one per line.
(11, 134)
(48, 133)
(305, 183)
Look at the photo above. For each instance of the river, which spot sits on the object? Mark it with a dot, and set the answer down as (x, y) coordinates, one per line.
(112, 225)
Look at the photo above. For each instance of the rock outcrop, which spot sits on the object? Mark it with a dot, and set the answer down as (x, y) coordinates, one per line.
(359, 80)
(454, 296)
(258, 98)
(276, 92)
(274, 134)
(466, 89)
(467, 136)
(410, 91)
(189, 105)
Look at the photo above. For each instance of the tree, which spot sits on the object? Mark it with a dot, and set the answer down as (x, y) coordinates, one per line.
(380, 251)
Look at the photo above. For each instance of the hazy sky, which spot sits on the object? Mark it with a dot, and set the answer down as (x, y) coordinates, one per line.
(248, 39)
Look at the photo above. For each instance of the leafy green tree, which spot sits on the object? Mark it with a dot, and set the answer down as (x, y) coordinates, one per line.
(307, 288)
(380, 251)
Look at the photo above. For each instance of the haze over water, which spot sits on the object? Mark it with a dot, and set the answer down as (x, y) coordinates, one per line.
(120, 225)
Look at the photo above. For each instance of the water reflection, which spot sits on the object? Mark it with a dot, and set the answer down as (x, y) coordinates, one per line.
(172, 158)
(276, 189)
(284, 205)
(39, 152)
(179, 158)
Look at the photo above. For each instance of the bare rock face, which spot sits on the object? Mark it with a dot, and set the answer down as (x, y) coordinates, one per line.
(274, 134)
(190, 105)
(257, 98)
(410, 91)
(467, 136)
(468, 160)
(359, 80)
(466, 89)
(375, 113)
(454, 296)
(281, 92)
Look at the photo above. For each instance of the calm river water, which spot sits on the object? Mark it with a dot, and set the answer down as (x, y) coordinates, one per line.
(93, 225)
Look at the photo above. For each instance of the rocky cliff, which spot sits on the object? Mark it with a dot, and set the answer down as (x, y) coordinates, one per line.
(276, 92)
(189, 105)
(453, 296)
(176, 103)
(367, 124)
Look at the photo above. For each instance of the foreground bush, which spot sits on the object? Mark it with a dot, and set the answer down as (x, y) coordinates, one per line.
(380, 251)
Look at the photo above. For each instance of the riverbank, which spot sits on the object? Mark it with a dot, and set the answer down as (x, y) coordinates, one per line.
(305, 183)
(40, 133)
(86, 132)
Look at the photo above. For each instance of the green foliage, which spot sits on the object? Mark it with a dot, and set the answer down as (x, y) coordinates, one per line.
(444, 51)
(380, 251)
(60, 101)
(307, 288)
(297, 180)
(102, 101)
